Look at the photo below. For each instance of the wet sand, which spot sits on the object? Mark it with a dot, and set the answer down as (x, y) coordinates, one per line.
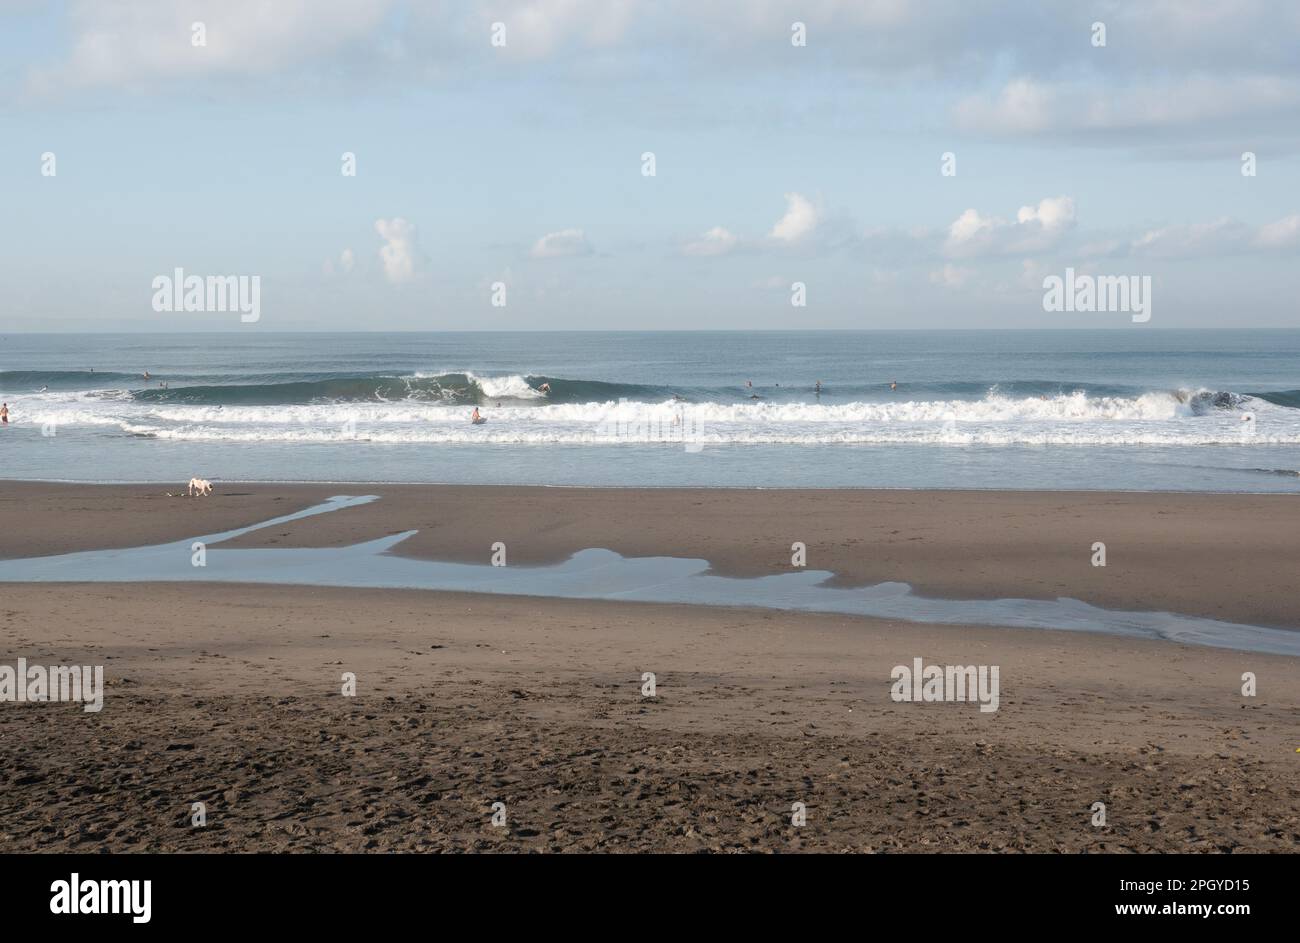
(1219, 556)
(231, 695)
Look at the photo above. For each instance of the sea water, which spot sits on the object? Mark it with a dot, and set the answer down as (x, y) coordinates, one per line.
(1126, 409)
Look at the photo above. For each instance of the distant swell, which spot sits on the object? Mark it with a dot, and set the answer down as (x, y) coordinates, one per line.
(1288, 398)
(340, 390)
(26, 381)
(910, 400)
(445, 389)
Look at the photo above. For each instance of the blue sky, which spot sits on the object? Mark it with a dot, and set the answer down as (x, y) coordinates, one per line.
(775, 163)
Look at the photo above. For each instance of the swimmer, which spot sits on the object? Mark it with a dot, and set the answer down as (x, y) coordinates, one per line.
(146, 374)
(4, 413)
(818, 387)
(893, 384)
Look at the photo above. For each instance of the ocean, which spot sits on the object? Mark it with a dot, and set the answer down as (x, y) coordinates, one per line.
(1116, 410)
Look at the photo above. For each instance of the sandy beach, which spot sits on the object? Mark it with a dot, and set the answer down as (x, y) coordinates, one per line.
(1220, 556)
(230, 695)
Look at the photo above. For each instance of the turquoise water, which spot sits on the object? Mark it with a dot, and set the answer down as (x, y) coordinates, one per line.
(1120, 409)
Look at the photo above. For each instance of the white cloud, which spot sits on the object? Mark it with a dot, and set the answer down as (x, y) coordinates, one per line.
(1220, 237)
(1027, 106)
(1050, 213)
(1023, 106)
(540, 28)
(1190, 240)
(398, 254)
(1104, 248)
(970, 225)
(345, 263)
(562, 244)
(1031, 274)
(1279, 235)
(717, 241)
(1036, 228)
(799, 220)
(149, 41)
(1168, 62)
(951, 276)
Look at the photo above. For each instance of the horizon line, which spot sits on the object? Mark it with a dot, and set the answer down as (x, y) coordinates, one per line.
(831, 330)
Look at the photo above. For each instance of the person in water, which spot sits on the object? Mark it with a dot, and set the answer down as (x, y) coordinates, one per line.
(146, 374)
(476, 417)
(545, 388)
(4, 413)
(893, 385)
(818, 387)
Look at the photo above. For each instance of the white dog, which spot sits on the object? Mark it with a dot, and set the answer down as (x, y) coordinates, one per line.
(200, 486)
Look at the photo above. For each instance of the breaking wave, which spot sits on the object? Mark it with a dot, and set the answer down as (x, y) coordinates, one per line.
(536, 409)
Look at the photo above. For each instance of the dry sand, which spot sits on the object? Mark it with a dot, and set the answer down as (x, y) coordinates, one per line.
(230, 695)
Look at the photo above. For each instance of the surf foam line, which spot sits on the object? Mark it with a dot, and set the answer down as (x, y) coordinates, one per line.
(604, 574)
(1069, 419)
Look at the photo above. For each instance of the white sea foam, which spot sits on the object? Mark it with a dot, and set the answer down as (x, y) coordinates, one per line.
(511, 387)
(1155, 418)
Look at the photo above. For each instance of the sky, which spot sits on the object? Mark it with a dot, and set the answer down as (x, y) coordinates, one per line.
(500, 157)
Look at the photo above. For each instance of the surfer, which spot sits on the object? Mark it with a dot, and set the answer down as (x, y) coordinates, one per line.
(544, 388)
(146, 374)
(818, 387)
(476, 419)
(893, 385)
